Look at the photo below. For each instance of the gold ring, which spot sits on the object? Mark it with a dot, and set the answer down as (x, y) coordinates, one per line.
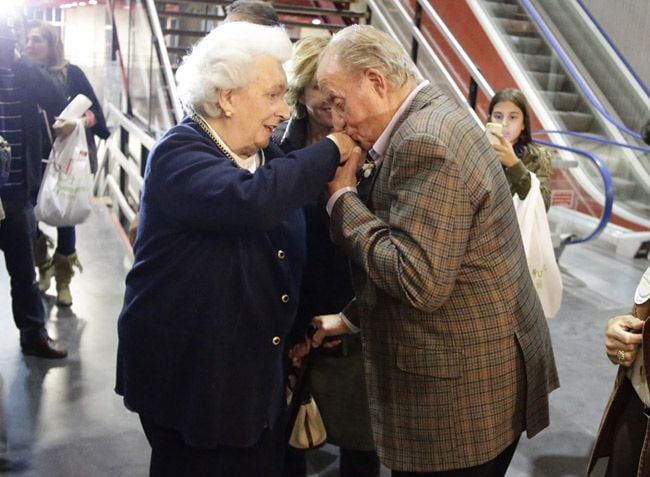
(620, 356)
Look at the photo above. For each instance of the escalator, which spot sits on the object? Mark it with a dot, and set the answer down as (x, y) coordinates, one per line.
(542, 43)
(507, 43)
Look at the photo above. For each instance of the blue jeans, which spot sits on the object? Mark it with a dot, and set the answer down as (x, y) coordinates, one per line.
(16, 239)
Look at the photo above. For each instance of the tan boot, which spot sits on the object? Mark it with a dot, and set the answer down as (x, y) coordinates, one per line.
(43, 261)
(63, 274)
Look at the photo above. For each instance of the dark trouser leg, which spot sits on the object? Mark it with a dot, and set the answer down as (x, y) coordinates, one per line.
(295, 463)
(497, 467)
(628, 440)
(355, 463)
(16, 238)
(172, 457)
(66, 240)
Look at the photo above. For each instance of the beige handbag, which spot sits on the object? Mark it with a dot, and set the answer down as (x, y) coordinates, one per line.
(308, 429)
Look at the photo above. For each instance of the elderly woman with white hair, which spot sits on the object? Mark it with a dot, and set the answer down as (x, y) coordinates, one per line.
(219, 253)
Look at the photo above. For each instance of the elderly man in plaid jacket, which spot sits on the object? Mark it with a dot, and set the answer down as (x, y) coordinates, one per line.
(457, 352)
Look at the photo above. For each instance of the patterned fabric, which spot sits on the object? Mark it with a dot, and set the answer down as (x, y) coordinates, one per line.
(457, 351)
(534, 159)
(11, 128)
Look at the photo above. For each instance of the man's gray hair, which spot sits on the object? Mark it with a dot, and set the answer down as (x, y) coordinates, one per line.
(361, 47)
(253, 11)
(224, 60)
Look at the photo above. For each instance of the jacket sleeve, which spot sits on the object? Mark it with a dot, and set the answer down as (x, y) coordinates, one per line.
(537, 161)
(198, 188)
(415, 256)
(78, 84)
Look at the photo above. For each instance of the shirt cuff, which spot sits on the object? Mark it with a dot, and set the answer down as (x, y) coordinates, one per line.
(353, 328)
(335, 196)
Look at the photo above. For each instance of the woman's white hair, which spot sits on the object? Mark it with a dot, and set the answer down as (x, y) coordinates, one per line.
(224, 60)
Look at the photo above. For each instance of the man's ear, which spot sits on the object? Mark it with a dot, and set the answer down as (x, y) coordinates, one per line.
(377, 80)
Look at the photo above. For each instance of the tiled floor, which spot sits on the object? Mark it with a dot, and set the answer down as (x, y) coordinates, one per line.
(65, 420)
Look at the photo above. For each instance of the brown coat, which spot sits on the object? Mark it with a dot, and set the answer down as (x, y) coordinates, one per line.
(618, 399)
(457, 351)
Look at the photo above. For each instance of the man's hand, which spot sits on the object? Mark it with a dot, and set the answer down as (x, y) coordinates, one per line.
(622, 339)
(328, 325)
(346, 174)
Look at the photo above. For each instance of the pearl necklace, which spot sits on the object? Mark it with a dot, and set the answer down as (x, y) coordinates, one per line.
(205, 126)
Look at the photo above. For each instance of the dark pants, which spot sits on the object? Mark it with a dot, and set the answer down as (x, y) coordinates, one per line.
(352, 463)
(629, 438)
(172, 457)
(66, 238)
(496, 467)
(16, 238)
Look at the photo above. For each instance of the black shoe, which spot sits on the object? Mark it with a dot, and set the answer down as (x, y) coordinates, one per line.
(45, 349)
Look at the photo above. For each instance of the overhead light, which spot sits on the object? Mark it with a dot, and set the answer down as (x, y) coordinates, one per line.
(316, 21)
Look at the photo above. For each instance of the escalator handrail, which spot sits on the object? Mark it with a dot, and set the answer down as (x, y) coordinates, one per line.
(609, 41)
(591, 137)
(163, 56)
(575, 74)
(607, 182)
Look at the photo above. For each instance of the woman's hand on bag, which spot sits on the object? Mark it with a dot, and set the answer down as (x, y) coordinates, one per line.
(328, 326)
(622, 339)
(505, 152)
(63, 127)
(299, 351)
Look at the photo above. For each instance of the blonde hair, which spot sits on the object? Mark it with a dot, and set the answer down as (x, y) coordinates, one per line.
(363, 47)
(302, 73)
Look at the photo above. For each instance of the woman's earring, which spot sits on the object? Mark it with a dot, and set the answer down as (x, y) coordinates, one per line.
(228, 114)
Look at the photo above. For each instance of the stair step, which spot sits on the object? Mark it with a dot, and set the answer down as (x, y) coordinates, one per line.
(314, 11)
(503, 10)
(518, 27)
(562, 101)
(527, 44)
(623, 188)
(549, 81)
(539, 63)
(575, 121)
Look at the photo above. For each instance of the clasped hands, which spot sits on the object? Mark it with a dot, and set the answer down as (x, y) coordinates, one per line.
(352, 158)
(623, 336)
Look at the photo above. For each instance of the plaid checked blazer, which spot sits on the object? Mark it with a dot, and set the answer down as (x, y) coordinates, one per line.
(457, 351)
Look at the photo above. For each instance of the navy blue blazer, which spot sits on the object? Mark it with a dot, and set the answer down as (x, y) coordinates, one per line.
(214, 288)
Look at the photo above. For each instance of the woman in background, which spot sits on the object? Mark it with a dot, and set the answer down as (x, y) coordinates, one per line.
(44, 47)
(516, 150)
(336, 374)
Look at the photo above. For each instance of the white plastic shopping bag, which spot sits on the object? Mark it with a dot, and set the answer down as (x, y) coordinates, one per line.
(64, 198)
(538, 245)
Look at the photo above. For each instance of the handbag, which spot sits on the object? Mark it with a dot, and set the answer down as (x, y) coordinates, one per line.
(306, 426)
(64, 198)
(536, 237)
